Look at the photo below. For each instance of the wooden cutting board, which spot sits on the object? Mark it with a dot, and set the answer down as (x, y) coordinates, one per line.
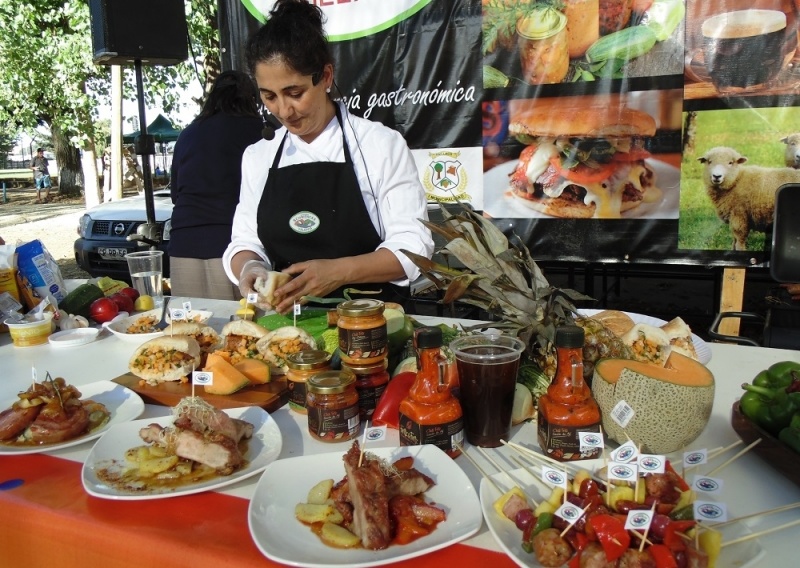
(270, 396)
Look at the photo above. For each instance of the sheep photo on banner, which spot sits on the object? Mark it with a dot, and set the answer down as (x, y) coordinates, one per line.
(602, 131)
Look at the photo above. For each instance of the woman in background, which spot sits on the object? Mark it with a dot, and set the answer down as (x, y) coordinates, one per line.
(205, 180)
(332, 199)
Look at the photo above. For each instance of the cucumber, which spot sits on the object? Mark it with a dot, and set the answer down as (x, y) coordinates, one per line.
(494, 78)
(626, 44)
(78, 301)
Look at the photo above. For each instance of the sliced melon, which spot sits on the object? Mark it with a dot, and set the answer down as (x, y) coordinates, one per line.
(671, 404)
(226, 378)
(255, 370)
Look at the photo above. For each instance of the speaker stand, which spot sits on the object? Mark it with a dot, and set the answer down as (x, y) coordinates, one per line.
(144, 145)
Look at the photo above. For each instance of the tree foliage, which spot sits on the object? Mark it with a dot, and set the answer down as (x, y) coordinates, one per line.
(47, 77)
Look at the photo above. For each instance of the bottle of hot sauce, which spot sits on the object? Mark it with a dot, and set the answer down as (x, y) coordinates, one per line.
(568, 407)
(430, 414)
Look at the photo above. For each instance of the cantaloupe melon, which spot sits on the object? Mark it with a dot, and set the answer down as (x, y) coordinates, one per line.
(671, 404)
(255, 370)
(226, 378)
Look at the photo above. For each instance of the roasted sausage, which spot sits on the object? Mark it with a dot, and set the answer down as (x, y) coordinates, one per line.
(550, 548)
(14, 420)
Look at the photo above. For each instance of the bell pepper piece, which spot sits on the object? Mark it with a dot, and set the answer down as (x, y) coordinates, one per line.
(612, 535)
(542, 522)
(772, 409)
(662, 556)
(682, 485)
(710, 542)
(781, 373)
(791, 434)
(387, 411)
(671, 538)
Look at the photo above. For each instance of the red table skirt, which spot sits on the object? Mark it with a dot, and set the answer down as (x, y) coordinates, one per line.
(47, 519)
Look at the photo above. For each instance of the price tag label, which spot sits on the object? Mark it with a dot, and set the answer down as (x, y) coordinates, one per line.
(252, 298)
(202, 378)
(651, 463)
(590, 440)
(622, 413)
(618, 471)
(626, 453)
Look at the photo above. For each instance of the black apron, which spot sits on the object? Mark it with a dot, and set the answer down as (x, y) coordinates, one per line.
(316, 210)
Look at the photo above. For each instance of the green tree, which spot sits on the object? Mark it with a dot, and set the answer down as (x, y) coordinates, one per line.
(47, 78)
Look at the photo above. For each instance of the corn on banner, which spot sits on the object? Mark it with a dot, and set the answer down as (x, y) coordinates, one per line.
(636, 131)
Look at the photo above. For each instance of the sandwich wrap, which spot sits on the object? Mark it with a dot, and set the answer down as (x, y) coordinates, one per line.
(680, 337)
(165, 359)
(648, 343)
(266, 288)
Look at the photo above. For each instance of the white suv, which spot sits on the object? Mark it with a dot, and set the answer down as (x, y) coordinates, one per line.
(104, 231)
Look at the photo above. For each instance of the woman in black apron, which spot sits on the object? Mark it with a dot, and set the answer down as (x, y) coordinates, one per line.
(313, 219)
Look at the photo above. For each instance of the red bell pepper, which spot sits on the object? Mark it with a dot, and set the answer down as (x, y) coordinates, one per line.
(662, 556)
(679, 480)
(387, 410)
(672, 540)
(612, 535)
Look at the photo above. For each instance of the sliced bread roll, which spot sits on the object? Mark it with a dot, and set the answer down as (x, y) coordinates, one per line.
(277, 345)
(266, 288)
(205, 335)
(680, 337)
(648, 343)
(165, 359)
(618, 322)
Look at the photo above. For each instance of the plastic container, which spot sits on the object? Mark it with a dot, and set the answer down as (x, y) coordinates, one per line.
(30, 333)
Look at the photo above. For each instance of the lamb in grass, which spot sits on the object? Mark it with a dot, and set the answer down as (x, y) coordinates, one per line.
(792, 151)
(743, 196)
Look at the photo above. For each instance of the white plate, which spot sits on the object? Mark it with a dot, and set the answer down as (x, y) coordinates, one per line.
(498, 202)
(285, 483)
(702, 348)
(509, 537)
(264, 448)
(120, 327)
(74, 337)
(123, 404)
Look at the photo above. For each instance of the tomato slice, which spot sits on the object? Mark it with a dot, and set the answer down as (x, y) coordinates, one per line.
(582, 173)
(612, 535)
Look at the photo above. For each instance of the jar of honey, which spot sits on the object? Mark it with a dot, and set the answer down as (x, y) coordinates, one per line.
(332, 406)
(362, 332)
(302, 366)
(371, 381)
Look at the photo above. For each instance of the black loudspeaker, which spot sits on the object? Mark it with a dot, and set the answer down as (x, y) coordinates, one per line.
(153, 31)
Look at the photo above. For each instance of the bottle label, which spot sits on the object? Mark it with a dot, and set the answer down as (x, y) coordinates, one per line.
(445, 436)
(334, 425)
(563, 443)
(368, 400)
(297, 395)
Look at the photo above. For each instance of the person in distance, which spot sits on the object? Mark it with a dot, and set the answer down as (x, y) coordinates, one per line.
(205, 178)
(332, 199)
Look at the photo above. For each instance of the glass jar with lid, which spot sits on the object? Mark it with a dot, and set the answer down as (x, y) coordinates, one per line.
(362, 331)
(543, 49)
(301, 367)
(371, 381)
(332, 406)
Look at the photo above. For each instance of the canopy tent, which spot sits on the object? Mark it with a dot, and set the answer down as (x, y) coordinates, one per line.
(160, 129)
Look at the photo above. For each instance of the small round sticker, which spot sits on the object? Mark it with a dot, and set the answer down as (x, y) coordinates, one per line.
(304, 222)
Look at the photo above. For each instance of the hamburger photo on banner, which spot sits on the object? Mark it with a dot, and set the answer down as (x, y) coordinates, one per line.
(585, 157)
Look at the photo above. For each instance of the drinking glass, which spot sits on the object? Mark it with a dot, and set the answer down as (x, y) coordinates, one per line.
(146, 273)
(487, 373)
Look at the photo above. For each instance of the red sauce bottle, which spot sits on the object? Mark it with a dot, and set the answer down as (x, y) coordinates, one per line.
(568, 407)
(430, 414)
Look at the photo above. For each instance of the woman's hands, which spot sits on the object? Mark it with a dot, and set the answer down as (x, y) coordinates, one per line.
(311, 278)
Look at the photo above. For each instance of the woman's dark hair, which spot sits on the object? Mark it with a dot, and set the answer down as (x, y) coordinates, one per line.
(233, 93)
(293, 35)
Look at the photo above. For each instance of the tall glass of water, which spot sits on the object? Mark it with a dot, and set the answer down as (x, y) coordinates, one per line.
(146, 273)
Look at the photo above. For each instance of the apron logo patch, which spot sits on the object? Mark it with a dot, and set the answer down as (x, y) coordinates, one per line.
(304, 222)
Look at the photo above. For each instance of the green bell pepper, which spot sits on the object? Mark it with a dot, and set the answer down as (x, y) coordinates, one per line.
(771, 409)
(779, 375)
(791, 434)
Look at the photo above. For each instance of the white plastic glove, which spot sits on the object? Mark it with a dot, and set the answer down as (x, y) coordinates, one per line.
(251, 270)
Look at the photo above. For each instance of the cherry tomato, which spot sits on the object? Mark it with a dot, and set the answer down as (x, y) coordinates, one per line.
(524, 518)
(132, 293)
(123, 301)
(103, 310)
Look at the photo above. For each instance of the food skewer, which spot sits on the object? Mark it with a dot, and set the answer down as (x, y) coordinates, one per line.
(514, 483)
(716, 452)
(737, 456)
(750, 516)
(483, 473)
(569, 526)
(535, 455)
(647, 530)
(761, 533)
(532, 474)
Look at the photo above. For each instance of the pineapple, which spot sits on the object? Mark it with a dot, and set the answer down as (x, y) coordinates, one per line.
(502, 279)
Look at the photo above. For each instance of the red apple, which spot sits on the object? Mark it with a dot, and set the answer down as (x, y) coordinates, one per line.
(132, 293)
(103, 310)
(123, 301)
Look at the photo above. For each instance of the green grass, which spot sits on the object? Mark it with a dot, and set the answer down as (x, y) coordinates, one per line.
(755, 133)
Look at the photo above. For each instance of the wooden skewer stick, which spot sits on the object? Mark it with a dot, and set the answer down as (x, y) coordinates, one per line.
(769, 512)
(499, 468)
(533, 475)
(737, 456)
(363, 443)
(535, 455)
(569, 526)
(641, 537)
(647, 530)
(716, 452)
(483, 473)
(761, 533)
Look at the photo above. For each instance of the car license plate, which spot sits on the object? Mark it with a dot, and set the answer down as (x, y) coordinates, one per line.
(112, 253)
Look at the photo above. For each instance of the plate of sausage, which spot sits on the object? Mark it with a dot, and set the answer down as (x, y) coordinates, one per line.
(121, 403)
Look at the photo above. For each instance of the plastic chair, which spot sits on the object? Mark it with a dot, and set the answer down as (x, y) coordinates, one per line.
(781, 323)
